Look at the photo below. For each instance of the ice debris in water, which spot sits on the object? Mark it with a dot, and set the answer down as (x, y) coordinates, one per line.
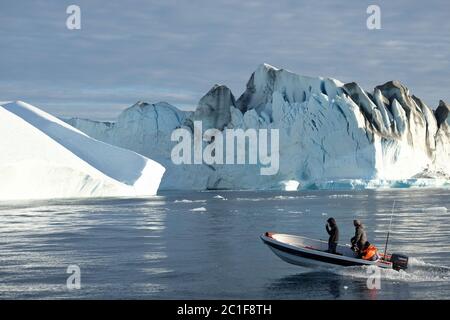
(188, 201)
(434, 209)
(201, 209)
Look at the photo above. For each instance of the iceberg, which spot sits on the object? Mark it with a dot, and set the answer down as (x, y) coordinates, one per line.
(44, 157)
(331, 134)
(146, 129)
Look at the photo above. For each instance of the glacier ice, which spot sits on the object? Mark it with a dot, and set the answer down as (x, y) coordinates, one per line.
(146, 129)
(290, 185)
(332, 135)
(44, 157)
(214, 108)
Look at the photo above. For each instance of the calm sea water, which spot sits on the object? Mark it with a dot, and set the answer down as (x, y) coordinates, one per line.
(188, 245)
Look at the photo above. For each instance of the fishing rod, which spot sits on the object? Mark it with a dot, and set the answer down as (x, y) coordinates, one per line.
(389, 231)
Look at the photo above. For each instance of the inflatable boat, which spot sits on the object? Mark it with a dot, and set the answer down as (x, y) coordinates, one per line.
(313, 253)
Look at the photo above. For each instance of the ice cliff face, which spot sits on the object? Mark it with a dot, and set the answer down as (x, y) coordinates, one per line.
(214, 108)
(43, 157)
(330, 132)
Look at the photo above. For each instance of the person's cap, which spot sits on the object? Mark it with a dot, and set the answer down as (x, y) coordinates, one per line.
(356, 222)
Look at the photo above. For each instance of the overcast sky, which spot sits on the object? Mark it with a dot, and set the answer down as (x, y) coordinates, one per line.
(175, 51)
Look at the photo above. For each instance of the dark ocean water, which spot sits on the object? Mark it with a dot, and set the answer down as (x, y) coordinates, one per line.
(188, 245)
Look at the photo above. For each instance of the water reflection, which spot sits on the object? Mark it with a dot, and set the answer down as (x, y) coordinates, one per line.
(327, 285)
(113, 241)
(413, 228)
(311, 285)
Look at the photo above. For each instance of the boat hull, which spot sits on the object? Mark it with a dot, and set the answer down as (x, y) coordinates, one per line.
(313, 255)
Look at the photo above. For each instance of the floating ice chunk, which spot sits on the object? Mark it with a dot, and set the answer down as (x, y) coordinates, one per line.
(290, 185)
(337, 196)
(219, 197)
(201, 209)
(283, 198)
(188, 201)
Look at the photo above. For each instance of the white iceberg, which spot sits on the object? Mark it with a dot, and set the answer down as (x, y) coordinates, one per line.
(44, 157)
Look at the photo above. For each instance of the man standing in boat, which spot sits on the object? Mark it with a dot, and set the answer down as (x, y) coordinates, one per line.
(333, 231)
(360, 238)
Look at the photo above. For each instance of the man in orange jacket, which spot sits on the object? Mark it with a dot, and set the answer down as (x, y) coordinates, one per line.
(369, 252)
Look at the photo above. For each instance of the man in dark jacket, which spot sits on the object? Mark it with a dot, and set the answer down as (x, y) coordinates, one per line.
(360, 238)
(333, 231)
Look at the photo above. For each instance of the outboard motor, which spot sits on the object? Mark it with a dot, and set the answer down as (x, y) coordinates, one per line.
(399, 261)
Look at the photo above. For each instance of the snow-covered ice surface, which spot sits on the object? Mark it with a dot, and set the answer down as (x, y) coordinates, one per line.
(146, 129)
(332, 135)
(44, 157)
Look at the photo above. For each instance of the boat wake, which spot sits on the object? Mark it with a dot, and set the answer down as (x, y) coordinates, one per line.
(418, 271)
